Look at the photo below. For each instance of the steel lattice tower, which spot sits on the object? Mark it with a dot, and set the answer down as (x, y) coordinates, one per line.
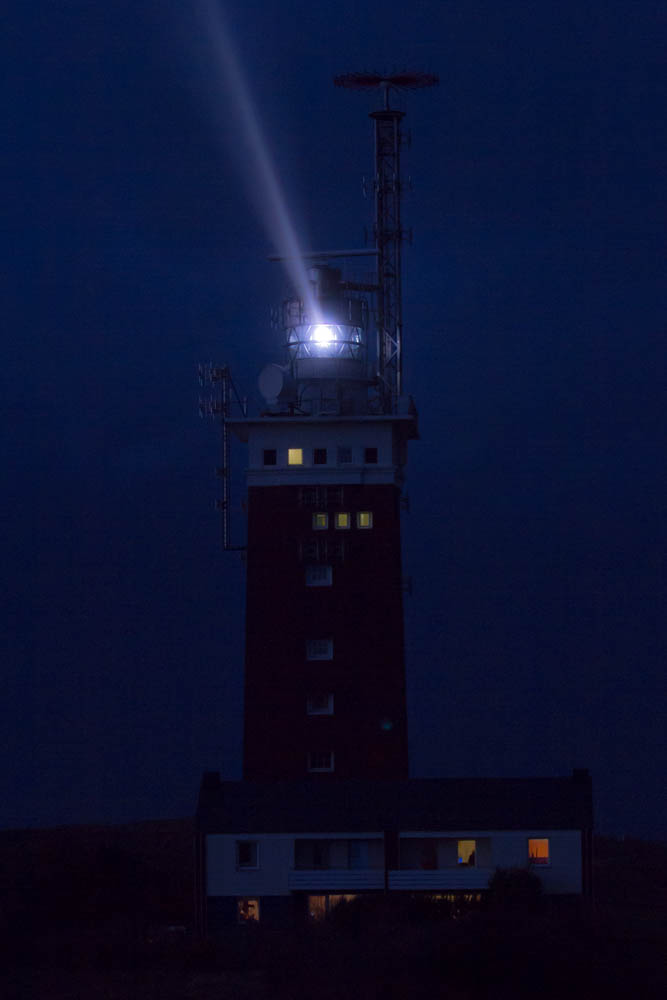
(387, 229)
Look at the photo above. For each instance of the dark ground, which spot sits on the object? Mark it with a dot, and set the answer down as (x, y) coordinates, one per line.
(107, 912)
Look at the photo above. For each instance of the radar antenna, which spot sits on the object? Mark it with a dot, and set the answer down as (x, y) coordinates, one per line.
(387, 228)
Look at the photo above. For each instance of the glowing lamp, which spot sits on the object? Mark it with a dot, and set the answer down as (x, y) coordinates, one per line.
(323, 334)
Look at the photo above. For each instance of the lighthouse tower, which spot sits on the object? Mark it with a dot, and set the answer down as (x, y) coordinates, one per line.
(326, 810)
(324, 664)
(324, 668)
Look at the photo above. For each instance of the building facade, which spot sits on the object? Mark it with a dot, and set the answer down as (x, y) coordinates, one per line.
(293, 850)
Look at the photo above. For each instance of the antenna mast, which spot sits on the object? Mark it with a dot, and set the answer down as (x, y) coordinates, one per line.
(387, 228)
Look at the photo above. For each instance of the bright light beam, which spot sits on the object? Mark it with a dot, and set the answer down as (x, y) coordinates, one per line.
(271, 205)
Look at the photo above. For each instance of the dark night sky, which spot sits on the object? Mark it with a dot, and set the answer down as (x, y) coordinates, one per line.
(534, 319)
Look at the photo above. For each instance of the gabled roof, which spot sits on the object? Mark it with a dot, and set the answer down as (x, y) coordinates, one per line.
(420, 804)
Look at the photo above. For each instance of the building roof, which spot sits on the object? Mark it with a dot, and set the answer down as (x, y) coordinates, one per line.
(420, 804)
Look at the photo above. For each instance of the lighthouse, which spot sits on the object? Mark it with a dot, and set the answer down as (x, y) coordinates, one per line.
(326, 810)
(324, 665)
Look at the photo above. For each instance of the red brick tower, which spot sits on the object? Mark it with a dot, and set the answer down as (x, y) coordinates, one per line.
(324, 671)
(324, 665)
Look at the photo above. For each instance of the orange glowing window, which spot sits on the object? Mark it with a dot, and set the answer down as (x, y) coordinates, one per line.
(465, 852)
(538, 851)
(247, 910)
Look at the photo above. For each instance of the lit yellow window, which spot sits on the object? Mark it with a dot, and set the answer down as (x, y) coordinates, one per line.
(538, 850)
(295, 456)
(343, 521)
(320, 522)
(364, 519)
(466, 852)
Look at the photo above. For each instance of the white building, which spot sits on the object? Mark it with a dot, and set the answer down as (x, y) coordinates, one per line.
(289, 850)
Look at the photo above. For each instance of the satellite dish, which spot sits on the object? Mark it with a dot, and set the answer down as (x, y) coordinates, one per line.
(275, 384)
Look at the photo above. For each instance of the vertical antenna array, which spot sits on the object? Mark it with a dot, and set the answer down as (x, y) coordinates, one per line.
(387, 230)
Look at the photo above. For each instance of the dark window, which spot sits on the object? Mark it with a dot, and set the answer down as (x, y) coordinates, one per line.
(308, 496)
(334, 496)
(319, 576)
(270, 457)
(334, 551)
(320, 704)
(247, 854)
(319, 456)
(370, 456)
(309, 552)
(344, 455)
(320, 760)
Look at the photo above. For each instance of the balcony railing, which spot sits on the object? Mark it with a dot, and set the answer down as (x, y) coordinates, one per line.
(336, 879)
(440, 878)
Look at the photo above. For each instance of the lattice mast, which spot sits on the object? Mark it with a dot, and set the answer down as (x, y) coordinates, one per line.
(387, 230)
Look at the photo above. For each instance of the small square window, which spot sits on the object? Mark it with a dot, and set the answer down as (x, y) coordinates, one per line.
(335, 550)
(320, 704)
(247, 910)
(295, 456)
(344, 456)
(309, 551)
(270, 456)
(333, 496)
(364, 519)
(308, 496)
(319, 649)
(538, 851)
(319, 456)
(370, 456)
(343, 521)
(465, 852)
(247, 855)
(320, 521)
(321, 760)
(319, 576)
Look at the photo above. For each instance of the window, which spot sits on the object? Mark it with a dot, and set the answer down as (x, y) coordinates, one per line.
(319, 649)
(247, 910)
(319, 456)
(320, 906)
(320, 521)
(333, 496)
(270, 456)
(358, 854)
(320, 704)
(344, 456)
(343, 521)
(295, 456)
(321, 760)
(308, 496)
(319, 576)
(309, 854)
(538, 851)
(370, 456)
(309, 551)
(465, 852)
(364, 519)
(247, 855)
(335, 550)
